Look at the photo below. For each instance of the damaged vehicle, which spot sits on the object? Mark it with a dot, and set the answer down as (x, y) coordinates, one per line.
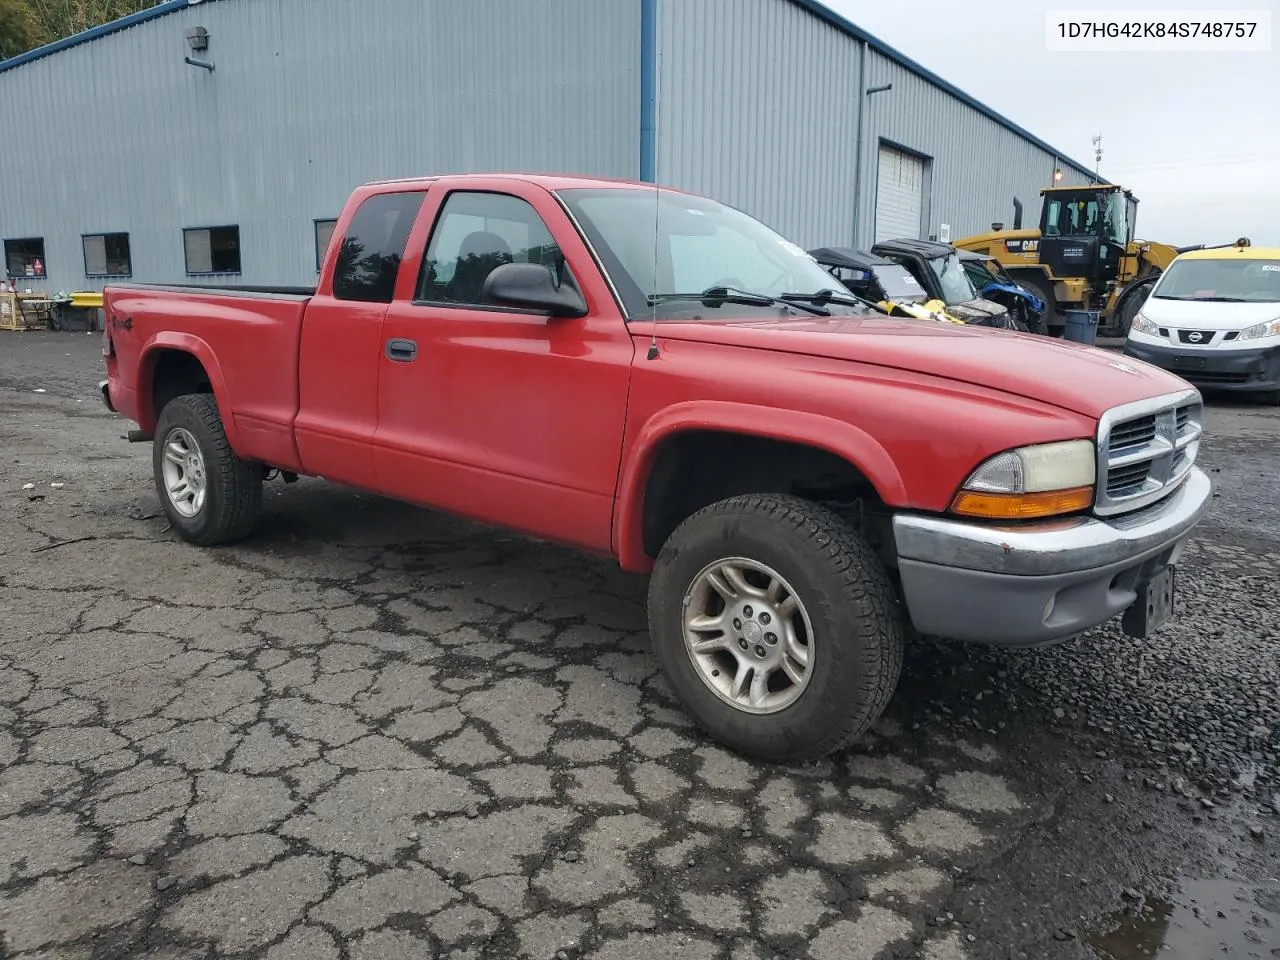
(888, 285)
(937, 268)
(993, 282)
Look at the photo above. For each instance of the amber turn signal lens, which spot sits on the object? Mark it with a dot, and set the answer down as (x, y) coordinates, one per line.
(1022, 506)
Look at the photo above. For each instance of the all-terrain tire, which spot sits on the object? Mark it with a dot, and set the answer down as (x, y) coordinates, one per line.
(857, 624)
(233, 486)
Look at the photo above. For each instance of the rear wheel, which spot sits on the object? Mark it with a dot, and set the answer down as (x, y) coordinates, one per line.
(776, 626)
(209, 494)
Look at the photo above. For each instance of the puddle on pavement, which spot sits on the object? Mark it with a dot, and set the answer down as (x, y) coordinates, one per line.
(1207, 919)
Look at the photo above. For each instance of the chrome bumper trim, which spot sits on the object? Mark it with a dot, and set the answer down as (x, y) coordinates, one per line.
(1055, 546)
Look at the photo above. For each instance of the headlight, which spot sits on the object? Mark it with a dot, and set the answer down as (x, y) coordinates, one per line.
(1044, 480)
(1269, 329)
(1143, 325)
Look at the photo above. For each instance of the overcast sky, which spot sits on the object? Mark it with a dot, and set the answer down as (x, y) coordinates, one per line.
(1196, 136)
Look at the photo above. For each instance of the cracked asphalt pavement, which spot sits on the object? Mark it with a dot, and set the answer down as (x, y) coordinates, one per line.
(371, 731)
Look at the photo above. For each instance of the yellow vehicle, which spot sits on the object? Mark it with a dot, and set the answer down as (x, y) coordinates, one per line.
(1082, 257)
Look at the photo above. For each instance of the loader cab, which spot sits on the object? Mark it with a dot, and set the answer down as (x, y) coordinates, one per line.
(1084, 231)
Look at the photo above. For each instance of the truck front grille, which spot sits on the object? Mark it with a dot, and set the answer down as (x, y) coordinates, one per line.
(1145, 450)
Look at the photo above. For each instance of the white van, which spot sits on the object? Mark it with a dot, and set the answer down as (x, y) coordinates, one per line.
(1213, 318)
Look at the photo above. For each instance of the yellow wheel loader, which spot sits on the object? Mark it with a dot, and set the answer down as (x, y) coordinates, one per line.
(1082, 257)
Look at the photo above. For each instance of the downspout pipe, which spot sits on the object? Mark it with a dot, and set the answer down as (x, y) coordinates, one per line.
(648, 90)
(857, 159)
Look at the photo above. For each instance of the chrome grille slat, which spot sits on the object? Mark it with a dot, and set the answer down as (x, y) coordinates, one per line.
(1145, 450)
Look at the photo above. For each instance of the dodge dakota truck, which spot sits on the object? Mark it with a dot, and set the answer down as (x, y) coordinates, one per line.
(660, 379)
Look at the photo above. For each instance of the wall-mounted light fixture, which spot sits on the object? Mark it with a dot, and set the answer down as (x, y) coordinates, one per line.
(198, 41)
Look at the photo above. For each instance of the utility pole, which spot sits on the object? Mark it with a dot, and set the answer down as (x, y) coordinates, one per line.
(1097, 157)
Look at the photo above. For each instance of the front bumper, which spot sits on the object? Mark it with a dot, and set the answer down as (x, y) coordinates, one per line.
(1038, 583)
(1217, 369)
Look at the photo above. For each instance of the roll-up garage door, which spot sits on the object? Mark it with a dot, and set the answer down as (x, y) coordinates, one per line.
(899, 195)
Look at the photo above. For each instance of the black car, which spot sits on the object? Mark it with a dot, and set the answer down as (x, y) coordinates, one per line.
(937, 268)
(873, 278)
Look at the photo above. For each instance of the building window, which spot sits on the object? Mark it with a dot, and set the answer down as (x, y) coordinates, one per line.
(324, 233)
(107, 255)
(212, 249)
(370, 255)
(25, 257)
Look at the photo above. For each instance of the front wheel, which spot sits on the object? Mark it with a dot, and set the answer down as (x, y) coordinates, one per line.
(776, 625)
(209, 494)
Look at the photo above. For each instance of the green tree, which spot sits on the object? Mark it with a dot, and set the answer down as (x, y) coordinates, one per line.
(19, 30)
(25, 24)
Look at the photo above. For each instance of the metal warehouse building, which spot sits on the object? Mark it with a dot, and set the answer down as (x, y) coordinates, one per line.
(219, 138)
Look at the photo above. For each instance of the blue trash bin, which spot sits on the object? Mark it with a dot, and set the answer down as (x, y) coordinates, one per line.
(1082, 326)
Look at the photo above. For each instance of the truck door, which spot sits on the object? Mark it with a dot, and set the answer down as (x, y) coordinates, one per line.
(338, 363)
(507, 416)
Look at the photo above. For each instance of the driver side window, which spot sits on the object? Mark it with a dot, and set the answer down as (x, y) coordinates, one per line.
(476, 232)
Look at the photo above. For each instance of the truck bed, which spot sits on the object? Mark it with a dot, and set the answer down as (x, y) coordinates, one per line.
(267, 290)
(260, 326)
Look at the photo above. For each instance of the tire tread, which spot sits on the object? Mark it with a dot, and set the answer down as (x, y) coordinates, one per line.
(865, 584)
(235, 513)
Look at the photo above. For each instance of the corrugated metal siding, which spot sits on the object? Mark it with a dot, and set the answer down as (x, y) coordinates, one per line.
(757, 107)
(309, 98)
(976, 168)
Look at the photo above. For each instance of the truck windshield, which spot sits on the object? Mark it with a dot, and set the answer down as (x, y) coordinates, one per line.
(1243, 281)
(955, 284)
(655, 243)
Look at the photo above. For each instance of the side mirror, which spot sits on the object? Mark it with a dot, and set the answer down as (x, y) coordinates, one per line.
(533, 286)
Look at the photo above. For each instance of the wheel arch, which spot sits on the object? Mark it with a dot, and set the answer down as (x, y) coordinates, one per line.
(654, 494)
(172, 364)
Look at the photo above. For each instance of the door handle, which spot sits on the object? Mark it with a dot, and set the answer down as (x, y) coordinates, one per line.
(402, 350)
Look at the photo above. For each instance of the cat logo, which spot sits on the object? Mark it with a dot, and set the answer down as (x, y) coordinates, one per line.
(1022, 246)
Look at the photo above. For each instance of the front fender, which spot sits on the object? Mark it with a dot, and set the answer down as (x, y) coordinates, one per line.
(838, 437)
(183, 343)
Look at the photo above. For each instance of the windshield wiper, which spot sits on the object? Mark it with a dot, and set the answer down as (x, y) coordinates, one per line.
(717, 296)
(826, 295)
(1165, 296)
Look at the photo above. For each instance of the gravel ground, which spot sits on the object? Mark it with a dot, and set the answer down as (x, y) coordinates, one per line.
(375, 732)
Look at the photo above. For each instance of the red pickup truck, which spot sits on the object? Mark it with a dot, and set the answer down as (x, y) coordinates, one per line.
(659, 378)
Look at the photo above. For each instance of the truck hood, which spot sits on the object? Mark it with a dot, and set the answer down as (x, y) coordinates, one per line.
(1083, 379)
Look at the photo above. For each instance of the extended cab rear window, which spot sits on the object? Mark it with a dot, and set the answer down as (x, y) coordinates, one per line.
(373, 246)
